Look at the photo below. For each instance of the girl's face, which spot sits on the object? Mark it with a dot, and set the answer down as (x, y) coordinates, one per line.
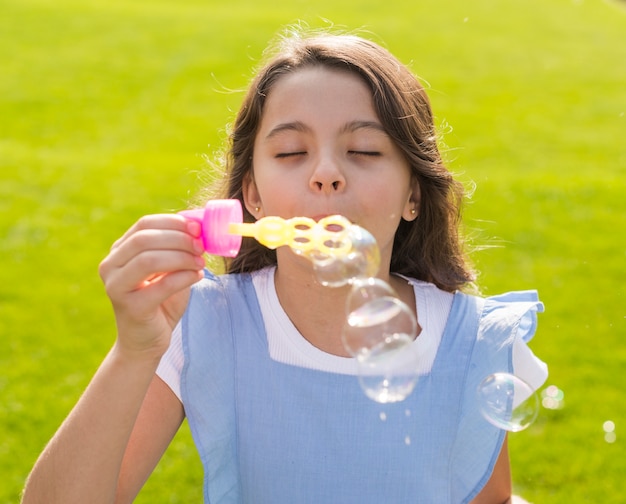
(321, 150)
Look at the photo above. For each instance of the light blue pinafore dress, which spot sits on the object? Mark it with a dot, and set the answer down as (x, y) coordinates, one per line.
(272, 433)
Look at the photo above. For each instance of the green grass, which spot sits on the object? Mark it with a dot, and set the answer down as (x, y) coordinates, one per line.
(106, 111)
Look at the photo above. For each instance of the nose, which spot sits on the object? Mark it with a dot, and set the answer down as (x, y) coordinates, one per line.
(327, 176)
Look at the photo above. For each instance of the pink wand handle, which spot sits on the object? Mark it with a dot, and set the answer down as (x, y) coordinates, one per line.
(214, 219)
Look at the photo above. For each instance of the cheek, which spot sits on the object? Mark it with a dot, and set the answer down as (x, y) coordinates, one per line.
(266, 179)
(385, 207)
(390, 195)
(278, 195)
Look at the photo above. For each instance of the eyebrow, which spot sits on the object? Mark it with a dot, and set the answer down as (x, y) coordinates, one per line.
(289, 126)
(349, 127)
(353, 126)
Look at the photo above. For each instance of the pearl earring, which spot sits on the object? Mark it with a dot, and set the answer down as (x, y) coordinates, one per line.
(413, 211)
(256, 209)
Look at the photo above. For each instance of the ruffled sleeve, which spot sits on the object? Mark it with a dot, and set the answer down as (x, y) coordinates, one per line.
(507, 322)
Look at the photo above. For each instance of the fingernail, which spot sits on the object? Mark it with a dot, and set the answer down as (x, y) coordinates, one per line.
(200, 261)
(198, 246)
(193, 228)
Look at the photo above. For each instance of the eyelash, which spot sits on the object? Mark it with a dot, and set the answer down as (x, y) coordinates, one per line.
(283, 155)
(365, 153)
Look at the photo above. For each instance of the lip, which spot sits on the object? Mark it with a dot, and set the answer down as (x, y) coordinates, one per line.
(319, 217)
(334, 227)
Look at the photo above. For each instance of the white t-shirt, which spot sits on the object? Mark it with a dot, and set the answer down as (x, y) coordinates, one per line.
(288, 346)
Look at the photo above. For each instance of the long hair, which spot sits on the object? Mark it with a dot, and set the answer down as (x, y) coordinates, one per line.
(429, 248)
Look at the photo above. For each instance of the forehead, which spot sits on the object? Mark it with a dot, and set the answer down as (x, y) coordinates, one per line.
(319, 93)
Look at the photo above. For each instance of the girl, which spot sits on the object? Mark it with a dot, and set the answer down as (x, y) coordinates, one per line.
(332, 124)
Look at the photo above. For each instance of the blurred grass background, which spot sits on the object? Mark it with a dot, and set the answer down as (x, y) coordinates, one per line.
(107, 109)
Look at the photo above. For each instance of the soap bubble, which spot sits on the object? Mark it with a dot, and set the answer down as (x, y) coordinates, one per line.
(330, 271)
(609, 431)
(552, 397)
(507, 402)
(363, 260)
(388, 371)
(335, 264)
(375, 314)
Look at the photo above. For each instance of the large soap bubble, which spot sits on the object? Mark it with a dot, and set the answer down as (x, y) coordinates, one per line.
(374, 313)
(388, 371)
(329, 271)
(507, 402)
(336, 264)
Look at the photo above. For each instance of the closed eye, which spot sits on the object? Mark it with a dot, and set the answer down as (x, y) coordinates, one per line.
(365, 153)
(282, 155)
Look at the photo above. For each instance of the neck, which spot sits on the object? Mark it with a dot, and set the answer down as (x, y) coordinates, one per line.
(318, 312)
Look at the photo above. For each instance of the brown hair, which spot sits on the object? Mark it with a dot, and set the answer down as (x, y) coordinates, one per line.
(428, 248)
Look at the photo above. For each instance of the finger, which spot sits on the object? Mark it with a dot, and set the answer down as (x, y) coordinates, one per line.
(154, 240)
(173, 222)
(167, 285)
(144, 268)
(162, 231)
(142, 310)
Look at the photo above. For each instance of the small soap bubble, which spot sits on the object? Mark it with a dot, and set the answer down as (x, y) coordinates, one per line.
(608, 426)
(329, 271)
(368, 289)
(407, 440)
(552, 397)
(383, 416)
(388, 372)
(376, 312)
(375, 315)
(507, 402)
(363, 260)
(609, 431)
(340, 254)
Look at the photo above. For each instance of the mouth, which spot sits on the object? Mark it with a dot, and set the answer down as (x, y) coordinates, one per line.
(319, 217)
(333, 223)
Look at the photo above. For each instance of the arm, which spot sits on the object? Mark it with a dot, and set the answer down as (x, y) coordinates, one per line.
(101, 441)
(498, 488)
(148, 275)
(158, 421)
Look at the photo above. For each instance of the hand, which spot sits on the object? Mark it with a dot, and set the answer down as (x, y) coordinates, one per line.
(148, 275)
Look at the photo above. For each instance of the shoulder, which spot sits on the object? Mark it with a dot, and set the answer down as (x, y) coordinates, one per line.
(210, 299)
(488, 327)
(506, 323)
(212, 282)
(517, 308)
(221, 298)
(428, 294)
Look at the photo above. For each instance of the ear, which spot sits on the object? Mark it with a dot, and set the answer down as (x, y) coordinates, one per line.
(251, 196)
(412, 206)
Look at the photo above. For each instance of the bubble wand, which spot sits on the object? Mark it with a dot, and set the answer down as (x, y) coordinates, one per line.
(222, 227)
